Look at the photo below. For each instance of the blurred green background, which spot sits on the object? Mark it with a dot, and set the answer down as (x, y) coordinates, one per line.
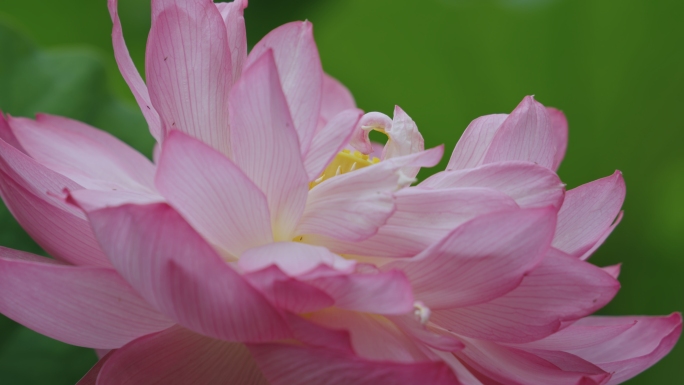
(616, 67)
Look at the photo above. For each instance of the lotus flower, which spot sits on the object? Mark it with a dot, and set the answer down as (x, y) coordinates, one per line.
(271, 242)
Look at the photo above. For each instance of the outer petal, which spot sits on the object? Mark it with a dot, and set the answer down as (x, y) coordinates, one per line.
(559, 126)
(90, 157)
(233, 16)
(464, 375)
(475, 141)
(480, 260)
(131, 75)
(89, 200)
(265, 144)
(90, 378)
(294, 365)
(603, 238)
(7, 135)
(513, 366)
(29, 190)
(354, 205)
(213, 195)
(178, 356)
(529, 184)
(634, 350)
(526, 135)
(85, 306)
(188, 66)
(172, 267)
(561, 288)
(328, 142)
(587, 212)
(334, 99)
(301, 74)
(423, 217)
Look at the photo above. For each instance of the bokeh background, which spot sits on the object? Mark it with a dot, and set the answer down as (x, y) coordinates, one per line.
(616, 68)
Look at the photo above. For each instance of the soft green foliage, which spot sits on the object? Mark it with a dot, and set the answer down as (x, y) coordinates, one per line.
(615, 67)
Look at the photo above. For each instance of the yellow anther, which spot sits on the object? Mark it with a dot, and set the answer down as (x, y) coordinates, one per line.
(345, 162)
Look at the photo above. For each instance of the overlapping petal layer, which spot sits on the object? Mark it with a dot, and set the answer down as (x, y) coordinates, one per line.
(237, 257)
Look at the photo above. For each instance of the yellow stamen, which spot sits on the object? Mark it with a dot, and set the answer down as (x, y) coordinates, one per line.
(344, 162)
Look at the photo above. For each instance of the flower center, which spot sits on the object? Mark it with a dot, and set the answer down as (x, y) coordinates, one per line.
(344, 162)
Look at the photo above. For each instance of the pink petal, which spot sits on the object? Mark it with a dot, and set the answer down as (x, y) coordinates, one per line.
(313, 334)
(329, 274)
(587, 213)
(172, 267)
(386, 292)
(178, 356)
(30, 192)
(403, 139)
(603, 237)
(294, 365)
(84, 306)
(465, 376)
(7, 135)
(301, 74)
(561, 288)
(334, 99)
(88, 156)
(288, 293)
(480, 260)
(330, 140)
(292, 258)
(475, 141)
(529, 184)
(512, 366)
(90, 378)
(354, 205)
(559, 126)
(265, 144)
(372, 120)
(233, 16)
(613, 270)
(131, 75)
(90, 200)
(432, 337)
(188, 66)
(636, 349)
(372, 337)
(423, 217)
(213, 195)
(526, 135)
(580, 335)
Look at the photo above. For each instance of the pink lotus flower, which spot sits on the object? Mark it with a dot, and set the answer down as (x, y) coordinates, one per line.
(260, 248)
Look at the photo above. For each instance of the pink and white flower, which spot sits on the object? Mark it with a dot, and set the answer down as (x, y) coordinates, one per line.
(265, 246)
